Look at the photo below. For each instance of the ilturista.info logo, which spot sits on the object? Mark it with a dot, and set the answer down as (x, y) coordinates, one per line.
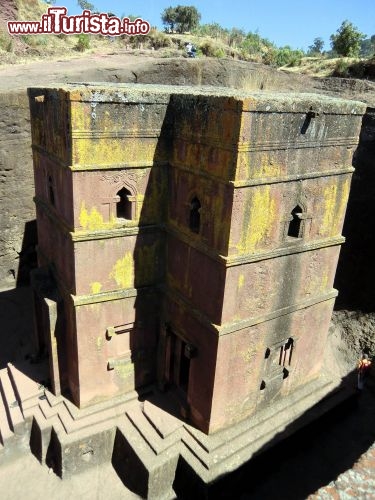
(57, 21)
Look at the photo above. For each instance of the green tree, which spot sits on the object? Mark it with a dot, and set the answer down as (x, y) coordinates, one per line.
(168, 18)
(187, 18)
(347, 41)
(85, 5)
(317, 46)
(182, 18)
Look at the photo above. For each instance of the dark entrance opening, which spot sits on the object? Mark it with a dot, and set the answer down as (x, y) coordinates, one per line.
(178, 363)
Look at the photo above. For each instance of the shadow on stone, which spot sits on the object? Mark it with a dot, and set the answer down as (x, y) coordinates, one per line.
(53, 456)
(27, 255)
(129, 467)
(355, 275)
(300, 464)
(17, 329)
(36, 441)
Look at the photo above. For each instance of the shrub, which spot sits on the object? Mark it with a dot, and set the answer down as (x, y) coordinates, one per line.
(211, 49)
(283, 57)
(341, 68)
(344, 69)
(159, 40)
(83, 42)
(35, 40)
(270, 57)
(6, 41)
(288, 57)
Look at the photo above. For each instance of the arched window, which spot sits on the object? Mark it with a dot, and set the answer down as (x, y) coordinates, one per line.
(51, 194)
(294, 229)
(124, 205)
(195, 216)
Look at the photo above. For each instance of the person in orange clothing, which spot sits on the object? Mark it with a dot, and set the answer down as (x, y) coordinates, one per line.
(363, 368)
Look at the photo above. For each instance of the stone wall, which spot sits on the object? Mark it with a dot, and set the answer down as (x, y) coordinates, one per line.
(17, 234)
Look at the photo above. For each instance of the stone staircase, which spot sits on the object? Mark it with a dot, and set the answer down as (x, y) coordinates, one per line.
(148, 444)
(14, 427)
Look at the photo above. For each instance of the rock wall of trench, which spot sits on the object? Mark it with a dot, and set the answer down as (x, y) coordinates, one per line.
(17, 213)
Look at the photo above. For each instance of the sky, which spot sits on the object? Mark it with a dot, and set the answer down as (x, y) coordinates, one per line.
(284, 22)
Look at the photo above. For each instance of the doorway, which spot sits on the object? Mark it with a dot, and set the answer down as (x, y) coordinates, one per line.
(178, 363)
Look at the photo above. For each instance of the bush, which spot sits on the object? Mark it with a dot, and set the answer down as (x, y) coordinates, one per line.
(288, 57)
(283, 57)
(35, 40)
(341, 68)
(6, 41)
(159, 40)
(344, 69)
(211, 49)
(269, 57)
(83, 42)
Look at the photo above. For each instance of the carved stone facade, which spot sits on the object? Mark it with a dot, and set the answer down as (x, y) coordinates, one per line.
(193, 238)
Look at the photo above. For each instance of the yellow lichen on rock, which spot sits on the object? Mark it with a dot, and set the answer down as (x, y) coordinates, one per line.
(123, 271)
(335, 201)
(261, 217)
(90, 220)
(330, 197)
(241, 281)
(96, 287)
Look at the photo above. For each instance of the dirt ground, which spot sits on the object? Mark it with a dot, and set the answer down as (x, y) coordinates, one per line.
(121, 65)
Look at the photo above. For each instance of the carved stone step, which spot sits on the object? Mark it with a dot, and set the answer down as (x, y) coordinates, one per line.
(5, 431)
(11, 403)
(26, 390)
(145, 473)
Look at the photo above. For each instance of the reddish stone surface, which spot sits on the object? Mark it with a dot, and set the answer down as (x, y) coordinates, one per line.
(217, 283)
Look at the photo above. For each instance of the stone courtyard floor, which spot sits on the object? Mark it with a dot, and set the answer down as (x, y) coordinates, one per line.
(357, 482)
(333, 458)
(309, 465)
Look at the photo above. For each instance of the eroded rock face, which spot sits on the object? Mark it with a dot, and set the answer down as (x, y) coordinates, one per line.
(16, 188)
